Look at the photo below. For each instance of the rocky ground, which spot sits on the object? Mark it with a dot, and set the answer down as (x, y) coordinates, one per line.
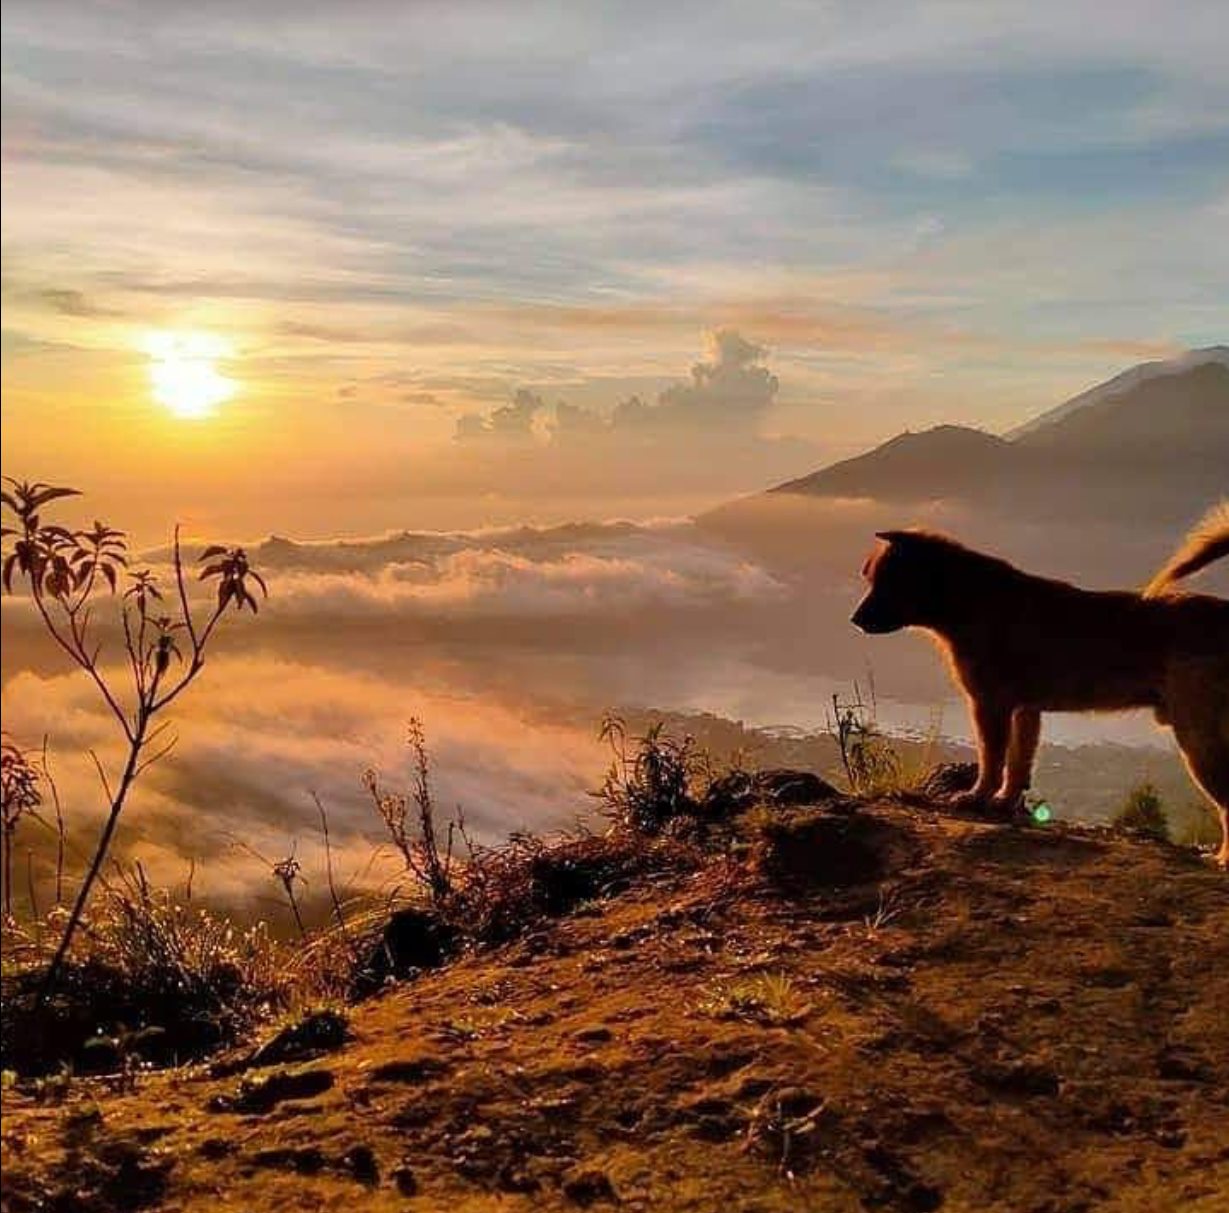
(893, 1009)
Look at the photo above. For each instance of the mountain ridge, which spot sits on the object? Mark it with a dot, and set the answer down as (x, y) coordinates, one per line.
(1150, 443)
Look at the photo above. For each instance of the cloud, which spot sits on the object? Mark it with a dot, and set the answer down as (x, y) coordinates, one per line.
(731, 388)
(730, 391)
(257, 736)
(494, 582)
(509, 423)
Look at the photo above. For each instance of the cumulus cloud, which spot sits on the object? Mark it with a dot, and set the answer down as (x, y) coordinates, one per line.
(728, 392)
(509, 423)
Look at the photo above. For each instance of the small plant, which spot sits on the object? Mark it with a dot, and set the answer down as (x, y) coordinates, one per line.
(1144, 813)
(70, 575)
(52, 1088)
(770, 999)
(651, 777)
(888, 909)
(784, 1126)
(1199, 826)
(428, 861)
(126, 1047)
(147, 959)
(22, 796)
(872, 766)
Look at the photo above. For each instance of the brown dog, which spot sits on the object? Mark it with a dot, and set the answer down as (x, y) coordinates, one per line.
(1020, 645)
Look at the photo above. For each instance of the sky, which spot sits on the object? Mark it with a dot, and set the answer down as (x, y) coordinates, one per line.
(322, 269)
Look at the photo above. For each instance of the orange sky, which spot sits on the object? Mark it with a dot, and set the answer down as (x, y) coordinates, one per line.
(387, 225)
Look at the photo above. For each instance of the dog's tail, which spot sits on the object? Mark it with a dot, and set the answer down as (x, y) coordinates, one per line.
(1209, 541)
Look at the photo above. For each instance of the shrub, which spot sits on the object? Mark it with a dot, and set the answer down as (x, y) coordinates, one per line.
(871, 764)
(1144, 813)
(154, 976)
(651, 780)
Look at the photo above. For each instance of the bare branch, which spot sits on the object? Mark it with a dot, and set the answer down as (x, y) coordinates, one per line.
(145, 764)
(102, 774)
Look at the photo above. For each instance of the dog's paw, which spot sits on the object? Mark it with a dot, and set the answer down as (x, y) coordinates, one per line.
(971, 801)
(1001, 805)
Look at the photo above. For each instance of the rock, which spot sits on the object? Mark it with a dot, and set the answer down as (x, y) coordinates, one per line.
(316, 1033)
(587, 1185)
(360, 1161)
(787, 787)
(948, 779)
(805, 849)
(412, 940)
(778, 787)
(265, 1094)
(405, 1180)
(306, 1160)
(1019, 1078)
(595, 1035)
(409, 1070)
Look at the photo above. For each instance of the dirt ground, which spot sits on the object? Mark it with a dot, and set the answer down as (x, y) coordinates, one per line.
(1002, 1018)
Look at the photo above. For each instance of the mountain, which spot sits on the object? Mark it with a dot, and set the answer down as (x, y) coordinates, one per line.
(1124, 382)
(1182, 415)
(1155, 446)
(853, 1008)
(1097, 491)
(958, 460)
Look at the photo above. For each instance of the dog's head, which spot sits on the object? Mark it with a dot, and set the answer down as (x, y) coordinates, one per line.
(901, 578)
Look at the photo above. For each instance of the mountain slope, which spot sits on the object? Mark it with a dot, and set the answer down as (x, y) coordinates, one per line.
(1179, 415)
(958, 459)
(892, 1009)
(1158, 449)
(1216, 354)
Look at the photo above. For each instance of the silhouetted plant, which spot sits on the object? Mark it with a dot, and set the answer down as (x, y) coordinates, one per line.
(286, 872)
(871, 764)
(1144, 813)
(19, 786)
(428, 861)
(69, 574)
(650, 779)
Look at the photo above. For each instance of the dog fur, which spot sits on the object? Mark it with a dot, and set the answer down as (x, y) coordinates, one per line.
(1020, 645)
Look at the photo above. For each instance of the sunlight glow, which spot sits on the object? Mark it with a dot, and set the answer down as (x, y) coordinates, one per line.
(183, 375)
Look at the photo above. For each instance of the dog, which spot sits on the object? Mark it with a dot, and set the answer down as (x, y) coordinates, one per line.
(1019, 645)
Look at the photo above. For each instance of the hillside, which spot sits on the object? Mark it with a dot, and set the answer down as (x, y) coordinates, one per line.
(1118, 384)
(846, 1008)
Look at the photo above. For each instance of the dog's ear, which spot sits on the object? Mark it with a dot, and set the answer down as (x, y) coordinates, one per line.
(893, 536)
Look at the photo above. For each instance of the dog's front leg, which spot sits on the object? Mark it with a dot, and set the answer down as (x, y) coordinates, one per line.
(1021, 750)
(992, 724)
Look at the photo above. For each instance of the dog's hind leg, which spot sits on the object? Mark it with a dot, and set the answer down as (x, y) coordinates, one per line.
(1197, 705)
(1208, 763)
(992, 724)
(1021, 750)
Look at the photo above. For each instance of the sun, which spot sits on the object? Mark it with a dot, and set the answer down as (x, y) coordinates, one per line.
(182, 373)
